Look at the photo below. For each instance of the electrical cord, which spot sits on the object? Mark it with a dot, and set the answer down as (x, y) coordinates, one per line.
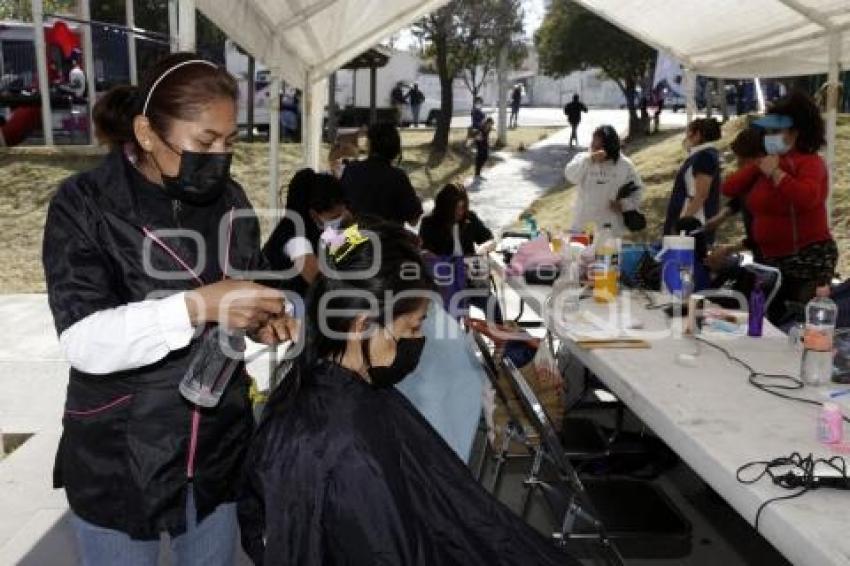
(799, 473)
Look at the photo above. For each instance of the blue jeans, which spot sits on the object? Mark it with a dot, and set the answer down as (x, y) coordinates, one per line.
(210, 543)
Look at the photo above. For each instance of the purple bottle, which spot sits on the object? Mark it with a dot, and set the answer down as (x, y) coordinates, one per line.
(756, 320)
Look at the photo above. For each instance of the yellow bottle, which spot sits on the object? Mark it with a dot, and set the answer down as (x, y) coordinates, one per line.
(606, 268)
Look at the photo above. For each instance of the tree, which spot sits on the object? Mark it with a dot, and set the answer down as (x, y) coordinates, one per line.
(22, 9)
(571, 38)
(464, 38)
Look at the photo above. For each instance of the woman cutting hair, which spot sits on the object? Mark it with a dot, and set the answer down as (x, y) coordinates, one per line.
(786, 191)
(343, 469)
(138, 256)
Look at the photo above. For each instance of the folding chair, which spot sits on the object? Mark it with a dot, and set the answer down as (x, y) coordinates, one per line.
(585, 439)
(634, 514)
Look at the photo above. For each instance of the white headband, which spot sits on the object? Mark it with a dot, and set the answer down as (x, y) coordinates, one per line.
(168, 72)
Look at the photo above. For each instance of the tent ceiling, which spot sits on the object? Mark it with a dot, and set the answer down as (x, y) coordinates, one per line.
(297, 38)
(736, 38)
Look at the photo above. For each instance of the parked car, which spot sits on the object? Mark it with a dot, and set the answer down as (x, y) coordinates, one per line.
(674, 102)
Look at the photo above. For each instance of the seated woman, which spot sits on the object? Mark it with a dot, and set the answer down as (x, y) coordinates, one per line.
(314, 202)
(453, 230)
(696, 190)
(599, 174)
(343, 470)
(786, 192)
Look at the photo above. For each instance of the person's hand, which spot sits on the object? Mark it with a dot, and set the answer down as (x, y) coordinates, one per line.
(598, 156)
(769, 164)
(234, 304)
(276, 330)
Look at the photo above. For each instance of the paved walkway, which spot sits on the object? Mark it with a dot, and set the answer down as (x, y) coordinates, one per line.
(512, 184)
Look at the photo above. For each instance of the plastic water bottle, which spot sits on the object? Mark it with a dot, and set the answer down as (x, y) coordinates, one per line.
(531, 226)
(755, 323)
(566, 290)
(818, 334)
(606, 269)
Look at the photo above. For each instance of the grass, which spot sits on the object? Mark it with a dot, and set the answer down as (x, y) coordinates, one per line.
(30, 176)
(657, 159)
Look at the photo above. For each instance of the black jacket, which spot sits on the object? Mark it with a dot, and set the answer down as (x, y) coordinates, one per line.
(123, 457)
(439, 240)
(375, 187)
(341, 472)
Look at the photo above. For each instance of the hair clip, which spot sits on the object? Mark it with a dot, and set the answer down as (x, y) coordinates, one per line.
(340, 244)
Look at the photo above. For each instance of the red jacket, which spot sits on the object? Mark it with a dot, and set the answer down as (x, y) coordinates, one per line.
(788, 216)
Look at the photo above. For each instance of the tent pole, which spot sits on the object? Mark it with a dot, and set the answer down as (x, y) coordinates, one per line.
(832, 111)
(172, 25)
(373, 94)
(252, 89)
(88, 56)
(131, 41)
(762, 107)
(312, 113)
(689, 84)
(186, 25)
(274, 142)
(41, 63)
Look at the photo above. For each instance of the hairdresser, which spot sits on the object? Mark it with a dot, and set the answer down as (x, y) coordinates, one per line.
(141, 255)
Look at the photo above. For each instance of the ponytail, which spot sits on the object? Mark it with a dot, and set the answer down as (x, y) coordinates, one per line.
(113, 115)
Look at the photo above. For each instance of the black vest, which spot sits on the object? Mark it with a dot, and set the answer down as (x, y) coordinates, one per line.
(124, 450)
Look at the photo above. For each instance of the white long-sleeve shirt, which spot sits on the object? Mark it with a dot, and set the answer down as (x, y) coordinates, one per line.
(128, 337)
(596, 186)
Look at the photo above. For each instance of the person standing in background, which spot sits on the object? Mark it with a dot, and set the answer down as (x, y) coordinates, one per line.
(416, 98)
(398, 100)
(482, 146)
(573, 112)
(516, 102)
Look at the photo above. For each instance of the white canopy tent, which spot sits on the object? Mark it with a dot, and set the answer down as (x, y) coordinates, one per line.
(743, 39)
(304, 41)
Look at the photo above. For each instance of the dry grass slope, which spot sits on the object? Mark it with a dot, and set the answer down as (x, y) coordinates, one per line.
(29, 177)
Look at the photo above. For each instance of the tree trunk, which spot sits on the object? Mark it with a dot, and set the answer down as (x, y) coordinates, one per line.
(636, 126)
(440, 142)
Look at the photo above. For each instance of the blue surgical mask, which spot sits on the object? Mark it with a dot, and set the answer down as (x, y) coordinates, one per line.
(774, 144)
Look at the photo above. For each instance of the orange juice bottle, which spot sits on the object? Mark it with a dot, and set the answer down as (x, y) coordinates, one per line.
(606, 269)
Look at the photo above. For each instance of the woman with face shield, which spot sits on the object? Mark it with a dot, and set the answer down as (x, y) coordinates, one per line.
(343, 469)
(786, 191)
(145, 257)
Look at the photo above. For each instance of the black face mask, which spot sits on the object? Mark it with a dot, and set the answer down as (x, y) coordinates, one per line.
(407, 355)
(202, 177)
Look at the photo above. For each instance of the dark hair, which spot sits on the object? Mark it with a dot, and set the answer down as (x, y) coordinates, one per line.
(384, 140)
(445, 204)
(807, 119)
(298, 194)
(326, 193)
(610, 141)
(749, 143)
(708, 128)
(181, 95)
(575, 98)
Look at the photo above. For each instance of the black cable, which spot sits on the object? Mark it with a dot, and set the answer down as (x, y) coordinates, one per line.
(761, 381)
(800, 473)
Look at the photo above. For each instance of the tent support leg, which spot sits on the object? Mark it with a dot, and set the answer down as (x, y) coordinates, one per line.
(689, 80)
(41, 63)
(832, 112)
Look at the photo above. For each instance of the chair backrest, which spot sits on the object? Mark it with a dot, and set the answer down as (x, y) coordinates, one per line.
(539, 419)
(449, 275)
(489, 365)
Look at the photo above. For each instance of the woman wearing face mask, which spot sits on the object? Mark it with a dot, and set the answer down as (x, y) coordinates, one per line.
(343, 469)
(314, 202)
(598, 175)
(696, 190)
(138, 255)
(786, 192)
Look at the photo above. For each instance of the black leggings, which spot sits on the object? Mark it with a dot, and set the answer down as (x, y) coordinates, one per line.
(481, 155)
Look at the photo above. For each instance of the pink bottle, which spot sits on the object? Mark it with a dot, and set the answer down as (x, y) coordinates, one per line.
(830, 424)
